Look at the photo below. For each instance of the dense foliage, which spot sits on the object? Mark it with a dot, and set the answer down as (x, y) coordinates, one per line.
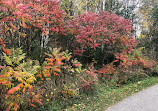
(92, 30)
(103, 42)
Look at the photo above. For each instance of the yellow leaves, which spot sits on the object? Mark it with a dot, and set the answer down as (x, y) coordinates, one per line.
(140, 48)
(27, 85)
(20, 80)
(16, 106)
(56, 51)
(31, 80)
(4, 75)
(7, 59)
(22, 34)
(48, 78)
(49, 59)
(142, 36)
(4, 79)
(77, 70)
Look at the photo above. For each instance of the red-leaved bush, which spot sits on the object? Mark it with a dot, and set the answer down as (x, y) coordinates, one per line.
(32, 13)
(92, 30)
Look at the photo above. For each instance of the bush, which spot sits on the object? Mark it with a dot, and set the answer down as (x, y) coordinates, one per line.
(17, 80)
(99, 35)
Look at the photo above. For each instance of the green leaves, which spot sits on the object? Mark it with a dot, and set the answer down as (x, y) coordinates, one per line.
(15, 58)
(7, 59)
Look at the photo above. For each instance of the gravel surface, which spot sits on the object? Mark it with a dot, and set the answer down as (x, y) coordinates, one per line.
(146, 100)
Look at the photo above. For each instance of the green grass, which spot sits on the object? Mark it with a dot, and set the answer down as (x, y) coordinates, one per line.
(104, 97)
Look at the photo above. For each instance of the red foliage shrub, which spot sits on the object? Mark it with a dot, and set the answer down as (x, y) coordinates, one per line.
(32, 13)
(92, 30)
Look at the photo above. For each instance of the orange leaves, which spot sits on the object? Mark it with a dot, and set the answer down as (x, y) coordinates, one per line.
(13, 26)
(115, 61)
(18, 79)
(16, 92)
(49, 60)
(32, 105)
(38, 101)
(56, 74)
(14, 89)
(3, 75)
(107, 69)
(47, 72)
(35, 99)
(23, 89)
(4, 80)
(7, 51)
(1, 67)
(6, 83)
(24, 25)
(55, 62)
(1, 41)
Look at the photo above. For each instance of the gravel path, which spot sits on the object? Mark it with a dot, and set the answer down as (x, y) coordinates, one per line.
(146, 100)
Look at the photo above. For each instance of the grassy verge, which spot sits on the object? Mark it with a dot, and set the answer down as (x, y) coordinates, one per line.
(104, 97)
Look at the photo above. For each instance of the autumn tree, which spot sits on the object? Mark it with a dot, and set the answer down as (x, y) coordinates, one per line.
(105, 34)
(148, 22)
(29, 23)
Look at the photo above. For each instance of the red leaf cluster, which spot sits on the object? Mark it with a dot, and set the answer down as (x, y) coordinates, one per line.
(92, 30)
(34, 13)
(7, 51)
